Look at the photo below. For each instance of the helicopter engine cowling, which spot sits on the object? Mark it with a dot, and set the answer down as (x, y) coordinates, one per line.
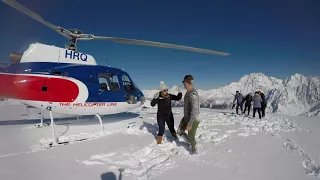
(38, 52)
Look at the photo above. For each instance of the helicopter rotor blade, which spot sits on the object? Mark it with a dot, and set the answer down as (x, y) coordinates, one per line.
(71, 35)
(154, 44)
(16, 5)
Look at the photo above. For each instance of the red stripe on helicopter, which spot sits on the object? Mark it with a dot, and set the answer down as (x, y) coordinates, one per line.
(37, 88)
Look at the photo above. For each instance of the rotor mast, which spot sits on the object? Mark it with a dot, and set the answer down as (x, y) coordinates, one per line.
(73, 40)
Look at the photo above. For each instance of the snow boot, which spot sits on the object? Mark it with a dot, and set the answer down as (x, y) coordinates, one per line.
(159, 139)
(194, 150)
(174, 135)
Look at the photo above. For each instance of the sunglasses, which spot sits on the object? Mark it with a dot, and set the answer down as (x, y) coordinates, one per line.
(165, 90)
(189, 82)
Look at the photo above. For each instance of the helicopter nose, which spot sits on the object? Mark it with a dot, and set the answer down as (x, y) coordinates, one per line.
(141, 97)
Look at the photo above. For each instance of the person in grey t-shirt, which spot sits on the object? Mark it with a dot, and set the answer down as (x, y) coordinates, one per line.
(190, 120)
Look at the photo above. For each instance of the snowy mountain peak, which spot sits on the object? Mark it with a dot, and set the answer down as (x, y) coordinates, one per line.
(294, 95)
(259, 81)
(174, 88)
(257, 75)
(298, 75)
(296, 80)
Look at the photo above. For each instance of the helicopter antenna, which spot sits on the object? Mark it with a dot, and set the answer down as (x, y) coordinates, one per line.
(107, 61)
(74, 35)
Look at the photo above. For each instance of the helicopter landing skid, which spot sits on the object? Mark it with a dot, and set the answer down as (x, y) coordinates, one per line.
(102, 127)
(54, 142)
(41, 122)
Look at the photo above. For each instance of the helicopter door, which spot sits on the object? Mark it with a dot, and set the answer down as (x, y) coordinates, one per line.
(129, 89)
(109, 87)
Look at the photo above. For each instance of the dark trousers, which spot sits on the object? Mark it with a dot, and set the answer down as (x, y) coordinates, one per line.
(245, 108)
(255, 110)
(263, 110)
(237, 107)
(161, 120)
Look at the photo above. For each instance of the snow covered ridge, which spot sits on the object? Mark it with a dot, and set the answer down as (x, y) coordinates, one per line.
(295, 95)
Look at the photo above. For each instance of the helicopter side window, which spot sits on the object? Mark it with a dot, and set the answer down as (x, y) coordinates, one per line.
(108, 82)
(127, 84)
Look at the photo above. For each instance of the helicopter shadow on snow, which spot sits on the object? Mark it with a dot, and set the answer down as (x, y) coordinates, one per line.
(83, 120)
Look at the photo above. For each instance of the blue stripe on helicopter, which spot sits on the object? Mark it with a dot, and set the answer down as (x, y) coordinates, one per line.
(87, 74)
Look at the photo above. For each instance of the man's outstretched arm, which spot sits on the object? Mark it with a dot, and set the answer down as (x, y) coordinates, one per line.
(176, 98)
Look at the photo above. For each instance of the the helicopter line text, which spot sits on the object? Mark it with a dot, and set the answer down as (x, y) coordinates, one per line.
(89, 104)
(75, 55)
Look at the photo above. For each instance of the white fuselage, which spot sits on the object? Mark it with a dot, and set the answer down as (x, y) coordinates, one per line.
(38, 52)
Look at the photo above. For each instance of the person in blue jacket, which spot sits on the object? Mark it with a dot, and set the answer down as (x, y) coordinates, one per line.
(239, 98)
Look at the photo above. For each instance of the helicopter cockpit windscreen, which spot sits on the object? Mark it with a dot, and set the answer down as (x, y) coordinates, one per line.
(127, 83)
(136, 86)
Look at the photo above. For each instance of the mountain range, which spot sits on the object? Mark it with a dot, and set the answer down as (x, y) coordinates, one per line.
(295, 95)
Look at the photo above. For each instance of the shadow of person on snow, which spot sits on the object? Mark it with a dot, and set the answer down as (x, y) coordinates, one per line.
(108, 176)
(112, 175)
(153, 129)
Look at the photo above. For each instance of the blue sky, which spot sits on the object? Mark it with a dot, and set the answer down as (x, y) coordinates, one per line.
(278, 38)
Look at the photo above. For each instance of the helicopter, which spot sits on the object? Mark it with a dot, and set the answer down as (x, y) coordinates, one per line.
(47, 77)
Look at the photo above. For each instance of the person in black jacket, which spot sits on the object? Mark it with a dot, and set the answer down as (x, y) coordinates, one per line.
(263, 103)
(248, 101)
(164, 114)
